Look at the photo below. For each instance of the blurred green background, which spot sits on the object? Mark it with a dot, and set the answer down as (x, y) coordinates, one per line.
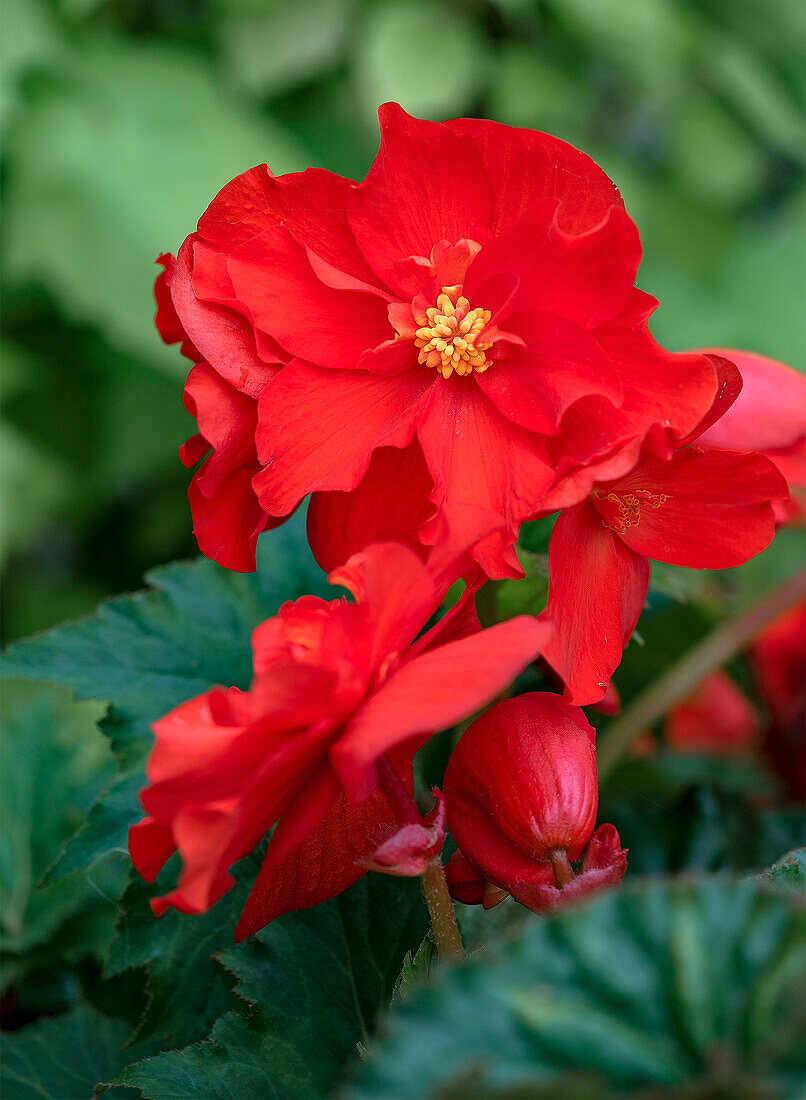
(122, 119)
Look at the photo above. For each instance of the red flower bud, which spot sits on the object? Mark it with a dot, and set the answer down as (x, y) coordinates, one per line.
(522, 799)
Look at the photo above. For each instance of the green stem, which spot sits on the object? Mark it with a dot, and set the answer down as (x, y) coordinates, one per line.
(705, 657)
(443, 916)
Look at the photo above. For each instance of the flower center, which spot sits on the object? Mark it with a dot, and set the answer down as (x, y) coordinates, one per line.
(620, 511)
(448, 336)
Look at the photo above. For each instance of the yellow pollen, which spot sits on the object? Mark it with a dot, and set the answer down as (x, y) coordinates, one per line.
(448, 335)
(626, 512)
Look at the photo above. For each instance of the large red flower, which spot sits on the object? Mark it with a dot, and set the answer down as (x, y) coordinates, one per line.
(701, 509)
(460, 327)
(323, 741)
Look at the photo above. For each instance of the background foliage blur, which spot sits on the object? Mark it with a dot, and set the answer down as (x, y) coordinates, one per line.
(121, 119)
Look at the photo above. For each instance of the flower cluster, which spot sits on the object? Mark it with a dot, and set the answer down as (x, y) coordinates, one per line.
(434, 356)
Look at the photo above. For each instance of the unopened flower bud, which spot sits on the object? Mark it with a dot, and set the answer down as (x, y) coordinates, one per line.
(521, 791)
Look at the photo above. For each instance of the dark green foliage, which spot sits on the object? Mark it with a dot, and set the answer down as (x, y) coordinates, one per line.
(316, 981)
(695, 984)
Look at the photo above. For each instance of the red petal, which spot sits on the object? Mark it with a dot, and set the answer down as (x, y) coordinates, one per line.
(477, 456)
(597, 588)
(561, 364)
(660, 387)
(434, 691)
(770, 411)
(586, 278)
(312, 204)
(272, 275)
(318, 428)
(427, 184)
(224, 338)
(390, 502)
(228, 524)
(525, 165)
(324, 864)
(151, 845)
(704, 510)
(166, 320)
(395, 594)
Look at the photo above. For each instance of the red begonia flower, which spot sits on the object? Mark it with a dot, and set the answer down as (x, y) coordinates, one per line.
(768, 416)
(341, 693)
(717, 717)
(468, 311)
(778, 657)
(522, 796)
(701, 509)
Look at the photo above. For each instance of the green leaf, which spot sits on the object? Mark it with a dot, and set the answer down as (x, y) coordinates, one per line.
(315, 982)
(423, 54)
(64, 1057)
(788, 874)
(115, 158)
(53, 760)
(148, 652)
(187, 988)
(659, 987)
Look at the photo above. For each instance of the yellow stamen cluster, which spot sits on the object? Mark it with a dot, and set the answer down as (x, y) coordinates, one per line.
(448, 334)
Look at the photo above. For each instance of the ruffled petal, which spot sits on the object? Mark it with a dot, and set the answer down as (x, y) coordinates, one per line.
(586, 278)
(272, 275)
(390, 502)
(427, 184)
(597, 588)
(561, 363)
(476, 456)
(704, 510)
(769, 413)
(326, 862)
(660, 387)
(526, 165)
(318, 428)
(224, 337)
(311, 204)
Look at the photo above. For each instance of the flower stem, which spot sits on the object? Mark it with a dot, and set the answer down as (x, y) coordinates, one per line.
(563, 872)
(705, 657)
(443, 916)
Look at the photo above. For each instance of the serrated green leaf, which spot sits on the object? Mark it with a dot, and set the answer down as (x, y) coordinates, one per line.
(315, 982)
(187, 988)
(663, 986)
(64, 1057)
(52, 764)
(788, 874)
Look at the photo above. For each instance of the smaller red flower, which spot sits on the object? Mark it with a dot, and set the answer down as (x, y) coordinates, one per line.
(778, 658)
(522, 798)
(704, 509)
(322, 743)
(716, 718)
(768, 416)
